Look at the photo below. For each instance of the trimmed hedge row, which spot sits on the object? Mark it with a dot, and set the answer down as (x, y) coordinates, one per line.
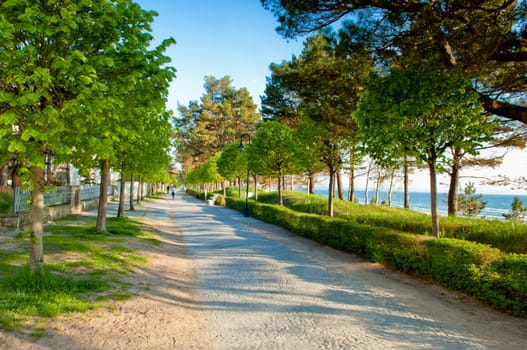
(496, 278)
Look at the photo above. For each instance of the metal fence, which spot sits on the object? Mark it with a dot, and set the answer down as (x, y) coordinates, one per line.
(56, 196)
(89, 192)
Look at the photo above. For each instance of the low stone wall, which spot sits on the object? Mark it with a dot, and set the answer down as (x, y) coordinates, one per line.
(22, 221)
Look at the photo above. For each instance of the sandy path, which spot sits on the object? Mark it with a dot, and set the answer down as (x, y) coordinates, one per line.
(222, 281)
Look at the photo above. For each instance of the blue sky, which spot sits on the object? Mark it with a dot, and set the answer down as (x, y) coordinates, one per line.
(230, 37)
(238, 38)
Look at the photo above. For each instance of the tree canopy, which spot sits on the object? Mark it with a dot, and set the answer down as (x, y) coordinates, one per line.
(206, 127)
(423, 112)
(68, 72)
(484, 39)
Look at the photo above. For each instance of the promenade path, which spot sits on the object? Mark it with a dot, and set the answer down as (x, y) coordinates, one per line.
(238, 283)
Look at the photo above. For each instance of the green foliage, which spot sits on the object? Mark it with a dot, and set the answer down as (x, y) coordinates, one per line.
(206, 173)
(469, 203)
(222, 114)
(232, 162)
(271, 151)
(518, 211)
(6, 203)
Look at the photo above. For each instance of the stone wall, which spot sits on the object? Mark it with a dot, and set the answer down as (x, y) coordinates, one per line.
(22, 221)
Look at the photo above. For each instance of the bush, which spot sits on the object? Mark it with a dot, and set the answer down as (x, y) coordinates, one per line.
(507, 236)
(6, 203)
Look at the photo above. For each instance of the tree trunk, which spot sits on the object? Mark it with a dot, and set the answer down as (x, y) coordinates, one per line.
(3, 175)
(103, 197)
(120, 210)
(340, 189)
(453, 190)
(390, 188)
(49, 169)
(351, 184)
(140, 191)
(453, 187)
(15, 176)
(255, 187)
(406, 183)
(367, 182)
(377, 187)
(36, 244)
(433, 199)
(311, 185)
(132, 208)
(239, 186)
(331, 192)
(68, 174)
(280, 195)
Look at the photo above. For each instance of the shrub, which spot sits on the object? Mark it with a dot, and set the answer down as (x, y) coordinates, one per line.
(6, 203)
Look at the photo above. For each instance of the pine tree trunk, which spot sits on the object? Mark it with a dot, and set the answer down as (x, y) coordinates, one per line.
(351, 185)
(36, 244)
(340, 189)
(453, 187)
(433, 199)
(103, 197)
(331, 192)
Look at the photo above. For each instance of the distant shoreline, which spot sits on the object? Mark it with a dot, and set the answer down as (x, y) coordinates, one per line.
(497, 204)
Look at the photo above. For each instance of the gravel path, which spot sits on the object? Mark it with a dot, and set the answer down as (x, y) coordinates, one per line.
(223, 281)
(264, 288)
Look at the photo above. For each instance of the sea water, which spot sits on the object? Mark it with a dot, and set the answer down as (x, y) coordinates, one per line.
(496, 204)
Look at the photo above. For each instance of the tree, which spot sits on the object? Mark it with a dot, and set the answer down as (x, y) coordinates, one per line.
(127, 118)
(323, 83)
(232, 164)
(424, 109)
(206, 127)
(57, 58)
(272, 152)
(448, 31)
(470, 203)
(518, 211)
(307, 155)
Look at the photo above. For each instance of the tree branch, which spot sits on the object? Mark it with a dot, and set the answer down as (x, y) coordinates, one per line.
(504, 109)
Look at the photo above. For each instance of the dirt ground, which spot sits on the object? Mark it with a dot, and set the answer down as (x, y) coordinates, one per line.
(164, 313)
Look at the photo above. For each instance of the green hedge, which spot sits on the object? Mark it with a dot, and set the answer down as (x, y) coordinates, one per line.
(479, 270)
(507, 236)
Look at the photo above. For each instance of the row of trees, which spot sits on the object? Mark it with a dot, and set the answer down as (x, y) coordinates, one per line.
(80, 79)
(401, 83)
(439, 90)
